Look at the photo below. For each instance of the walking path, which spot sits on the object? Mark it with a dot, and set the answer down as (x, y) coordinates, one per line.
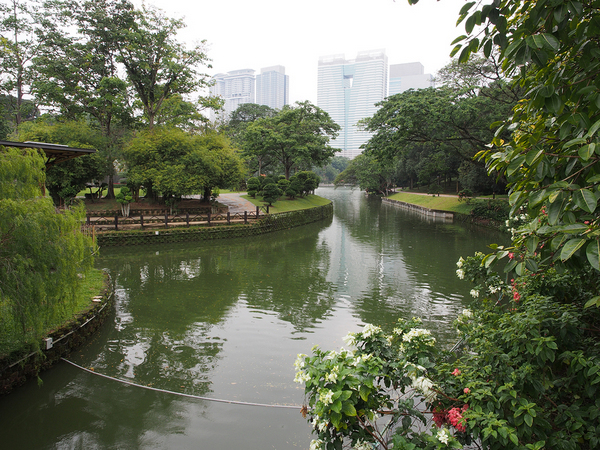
(236, 203)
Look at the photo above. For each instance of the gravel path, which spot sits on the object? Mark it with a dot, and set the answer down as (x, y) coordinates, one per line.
(236, 203)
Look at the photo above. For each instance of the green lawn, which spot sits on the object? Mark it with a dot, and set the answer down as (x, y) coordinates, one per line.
(285, 205)
(431, 202)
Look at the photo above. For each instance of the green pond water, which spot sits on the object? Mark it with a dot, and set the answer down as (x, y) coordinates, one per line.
(226, 319)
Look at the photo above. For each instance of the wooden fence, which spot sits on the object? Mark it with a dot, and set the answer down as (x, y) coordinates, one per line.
(111, 220)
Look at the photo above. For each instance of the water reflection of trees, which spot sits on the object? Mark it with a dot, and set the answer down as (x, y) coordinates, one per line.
(401, 263)
(169, 298)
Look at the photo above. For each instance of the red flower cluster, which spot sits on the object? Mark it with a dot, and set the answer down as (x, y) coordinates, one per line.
(452, 417)
(456, 419)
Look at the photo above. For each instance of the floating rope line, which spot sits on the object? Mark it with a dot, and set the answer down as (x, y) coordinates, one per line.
(197, 397)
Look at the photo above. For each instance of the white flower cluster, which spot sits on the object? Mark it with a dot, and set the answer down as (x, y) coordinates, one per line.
(424, 386)
(443, 436)
(460, 262)
(301, 377)
(350, 339)
(316, 444)
(474, 293)
(416, 332)
(460, 274)
(319, 424)
(362, 445)
(299, 364)
(326, 396)
(361, 358)
(494, 289)
(333, 375)
(369, 330)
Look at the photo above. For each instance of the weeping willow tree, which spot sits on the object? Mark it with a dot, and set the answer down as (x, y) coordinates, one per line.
(43, 254)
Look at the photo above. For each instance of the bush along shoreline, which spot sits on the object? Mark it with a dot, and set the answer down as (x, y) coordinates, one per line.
(19, 366)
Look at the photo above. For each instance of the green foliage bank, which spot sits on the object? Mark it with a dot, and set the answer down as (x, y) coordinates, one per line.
(43, 254)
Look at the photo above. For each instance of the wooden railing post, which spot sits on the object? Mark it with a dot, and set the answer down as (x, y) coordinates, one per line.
(166, 219)
(228, 218)
(142, 220)
(257, 211)
(187, 218)
(116, 222)
(245, 216)
(208, 218)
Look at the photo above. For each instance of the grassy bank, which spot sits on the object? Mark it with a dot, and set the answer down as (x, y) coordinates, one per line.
(434, 202)
(285, 205)
(11, 337)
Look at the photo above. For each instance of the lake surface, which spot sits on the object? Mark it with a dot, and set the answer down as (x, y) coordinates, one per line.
(226, 319)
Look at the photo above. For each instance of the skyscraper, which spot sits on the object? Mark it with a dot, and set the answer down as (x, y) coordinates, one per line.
(235, 87)
(348, 91)
(273, 87)
(409, 76)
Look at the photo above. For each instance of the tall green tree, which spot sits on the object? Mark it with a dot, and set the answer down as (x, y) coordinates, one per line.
(77, 68)
(552, 158)
(158, 66)
(18, 45)
(235, 129)
(172, 163)
(369, 173)
(297, 135)
(440, 130)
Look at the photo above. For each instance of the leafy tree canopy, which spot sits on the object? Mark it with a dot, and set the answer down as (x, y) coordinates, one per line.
(296, 135)
(66, 179)
(552, 157)
(174, 163)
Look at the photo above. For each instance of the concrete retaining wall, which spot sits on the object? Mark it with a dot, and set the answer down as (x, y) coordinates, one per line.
(445, 216)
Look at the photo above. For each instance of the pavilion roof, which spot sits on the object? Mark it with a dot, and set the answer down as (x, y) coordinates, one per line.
(55, 153)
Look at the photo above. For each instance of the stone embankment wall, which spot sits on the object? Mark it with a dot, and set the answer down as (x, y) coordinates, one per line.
(16, 369)
(269, 224)
(447, 216)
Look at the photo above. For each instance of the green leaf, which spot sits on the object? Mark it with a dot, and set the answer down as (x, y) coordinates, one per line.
(466, 7)
(570, 247)
(528, 420)
(364, 392)
(572, 228)
(586, 200)
(554, 103)
(573, 142)
(348, 409)
(592, 252)
(336, 406)
(593, 301)
(593, 129)
(587, 151)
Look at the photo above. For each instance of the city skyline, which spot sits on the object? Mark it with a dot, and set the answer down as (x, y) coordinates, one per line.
(265, 32)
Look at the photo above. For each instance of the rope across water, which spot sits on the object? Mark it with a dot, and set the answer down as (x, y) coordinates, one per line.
(197, 397)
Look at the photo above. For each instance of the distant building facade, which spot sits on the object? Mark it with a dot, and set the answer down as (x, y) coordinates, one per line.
(235, 87)
(273, 87)
(348, 91)
(409, 76)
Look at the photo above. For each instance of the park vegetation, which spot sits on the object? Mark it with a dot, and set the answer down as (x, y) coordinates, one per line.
(44, 257)
(525, 373)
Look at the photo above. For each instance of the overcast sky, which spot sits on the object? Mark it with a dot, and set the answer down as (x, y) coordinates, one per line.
(244, 34)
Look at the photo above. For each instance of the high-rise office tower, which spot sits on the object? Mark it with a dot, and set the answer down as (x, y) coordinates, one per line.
(348, 90)
(235, 87)
(273, 87)
(409, 76)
